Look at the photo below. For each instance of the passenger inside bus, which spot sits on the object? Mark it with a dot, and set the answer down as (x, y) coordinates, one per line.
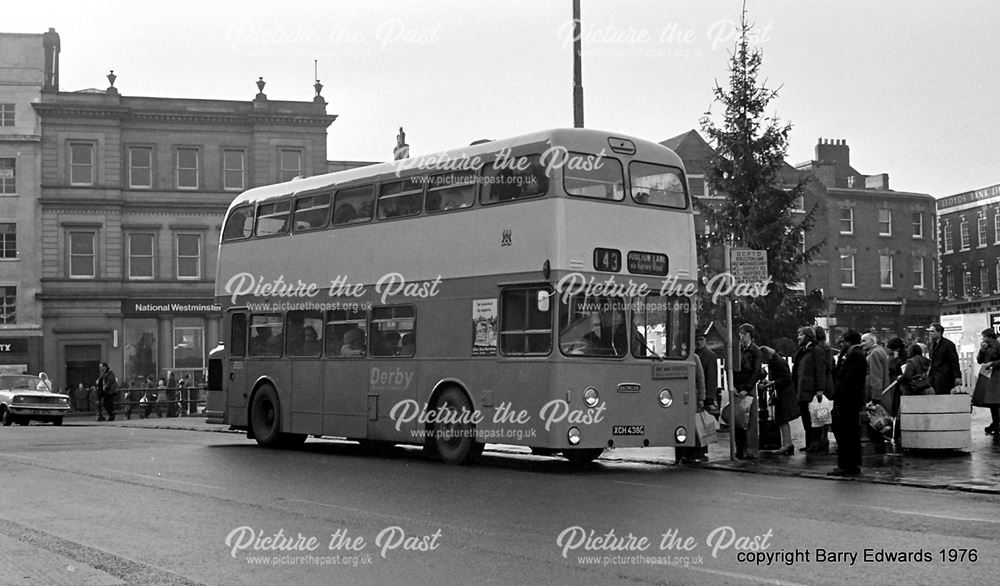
(408, 345)
(345, 214)
(354, 343)
(311, 344)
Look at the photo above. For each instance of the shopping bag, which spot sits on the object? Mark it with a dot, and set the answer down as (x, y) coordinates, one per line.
(705, 428)
(821, 411)
(742, 408)
(878, 418)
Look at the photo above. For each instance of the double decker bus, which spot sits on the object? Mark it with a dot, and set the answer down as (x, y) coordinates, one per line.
(534, 291)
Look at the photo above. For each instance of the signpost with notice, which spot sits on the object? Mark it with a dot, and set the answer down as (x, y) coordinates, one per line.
(746, 266)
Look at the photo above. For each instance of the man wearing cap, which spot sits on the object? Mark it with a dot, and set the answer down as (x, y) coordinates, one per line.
(945, 373)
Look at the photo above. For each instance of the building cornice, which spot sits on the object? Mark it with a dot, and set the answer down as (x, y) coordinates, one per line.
(127, 114)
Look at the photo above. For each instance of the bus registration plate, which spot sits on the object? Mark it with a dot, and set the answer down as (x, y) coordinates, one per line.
(628, 430)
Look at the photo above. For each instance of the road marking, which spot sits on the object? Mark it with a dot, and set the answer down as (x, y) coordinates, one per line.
(763, 496)
(919, 514)
(390, 516)
(165, 479)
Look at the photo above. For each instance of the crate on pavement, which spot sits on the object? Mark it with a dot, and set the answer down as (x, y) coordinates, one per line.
(935, 422)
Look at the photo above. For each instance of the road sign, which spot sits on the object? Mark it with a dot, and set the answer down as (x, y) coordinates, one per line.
(748, 265)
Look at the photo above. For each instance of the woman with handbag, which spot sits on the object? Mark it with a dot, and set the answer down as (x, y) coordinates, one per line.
(811, 374)
(786, 405)
(987, 392)
(914, 380)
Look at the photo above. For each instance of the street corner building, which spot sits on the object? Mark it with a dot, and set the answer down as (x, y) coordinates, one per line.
(111, 211)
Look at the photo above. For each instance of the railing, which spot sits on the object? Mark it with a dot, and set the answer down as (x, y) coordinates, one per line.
(169, 402)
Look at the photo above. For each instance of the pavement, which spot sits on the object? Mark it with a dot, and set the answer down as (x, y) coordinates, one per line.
(976, 470)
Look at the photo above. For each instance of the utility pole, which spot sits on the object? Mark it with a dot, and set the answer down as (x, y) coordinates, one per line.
(577, 68)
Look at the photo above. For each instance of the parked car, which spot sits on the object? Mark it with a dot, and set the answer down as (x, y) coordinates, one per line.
(21, 400)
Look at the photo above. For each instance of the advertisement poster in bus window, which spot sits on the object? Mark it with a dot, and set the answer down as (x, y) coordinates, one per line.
(484, 322)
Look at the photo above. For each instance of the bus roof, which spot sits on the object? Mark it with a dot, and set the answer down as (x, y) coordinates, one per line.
(577, 137)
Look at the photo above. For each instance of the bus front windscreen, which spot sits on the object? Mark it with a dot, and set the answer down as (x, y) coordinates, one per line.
(662, 327)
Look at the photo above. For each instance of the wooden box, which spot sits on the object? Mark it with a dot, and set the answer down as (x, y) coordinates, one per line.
(935, 422)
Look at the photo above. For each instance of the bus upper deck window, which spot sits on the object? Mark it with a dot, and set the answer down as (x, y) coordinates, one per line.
(239, 224)
(518, 177)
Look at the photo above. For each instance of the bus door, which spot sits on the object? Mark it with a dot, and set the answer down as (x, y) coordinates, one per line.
(303, 349)
(345, 372)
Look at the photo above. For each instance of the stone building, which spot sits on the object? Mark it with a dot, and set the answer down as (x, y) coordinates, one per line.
(132, 198)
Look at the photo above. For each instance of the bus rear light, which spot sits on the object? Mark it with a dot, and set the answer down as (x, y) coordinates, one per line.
(681, 434)
(591, 397)
(573, 436)
(666, 398)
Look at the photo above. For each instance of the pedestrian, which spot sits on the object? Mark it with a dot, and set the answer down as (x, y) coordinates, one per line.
(44, 383)
(811, 374)
(155, 396)
(698, 453)
(989, 358)
(173, 407)
(710, 368)
(107, 386)
(914, 372)
(745, 377)
(945, 373)
(786, 406)
(852, 372)
(876, 382)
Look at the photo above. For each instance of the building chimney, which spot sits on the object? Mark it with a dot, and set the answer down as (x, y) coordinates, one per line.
(833, 151)
(50, 44)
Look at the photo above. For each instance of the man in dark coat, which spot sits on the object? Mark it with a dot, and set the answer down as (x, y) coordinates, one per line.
(745, 376)
(710, 366)
(107, 389)
(945, 373)
(849, 381)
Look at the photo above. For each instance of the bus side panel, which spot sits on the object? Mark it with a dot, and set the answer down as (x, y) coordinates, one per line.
(237, 393)
(344, 398)
(390, 383)
(307, 385)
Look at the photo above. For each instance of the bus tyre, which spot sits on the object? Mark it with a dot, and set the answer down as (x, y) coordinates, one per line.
(454, 441)
(265, 417)
(583, 456)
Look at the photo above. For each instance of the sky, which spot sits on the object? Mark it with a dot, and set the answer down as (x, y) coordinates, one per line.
(911, 85)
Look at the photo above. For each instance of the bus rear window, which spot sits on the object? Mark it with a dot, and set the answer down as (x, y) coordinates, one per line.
(519, 177)
(311, 212)
(661, 327)
(272, 218)
(239, 225)
(657, 185)
(353, 205)
(594, 176)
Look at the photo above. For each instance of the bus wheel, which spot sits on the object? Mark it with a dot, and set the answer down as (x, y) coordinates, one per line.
(265, 417)
(582, 456)
(454, 441)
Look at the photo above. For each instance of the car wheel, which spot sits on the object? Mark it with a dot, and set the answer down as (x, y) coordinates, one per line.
(57, 421)
(8, 419)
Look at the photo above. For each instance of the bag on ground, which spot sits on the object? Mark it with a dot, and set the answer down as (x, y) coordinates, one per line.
(878, 419)
(705, 428)
(821, 411)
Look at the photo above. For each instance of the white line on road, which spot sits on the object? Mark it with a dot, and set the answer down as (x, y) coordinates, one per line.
(763, 496)
(165, 479)
(919, 514)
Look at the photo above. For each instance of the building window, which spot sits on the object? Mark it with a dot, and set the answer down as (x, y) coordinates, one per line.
(885, 222)
(233, 170)
(997, 289)
(948, 240)
(188, 256)
(187, 168)
(996, 226)
(963, 234)
(81, 163)
(918, 224)
(189, 347)
(8, 304)
(984, 279)
(966, 283)
(141, 249)
(846, 269)
(847, 220)
(6, 114)
(981, 230)
(8, 175)
(140, 167)
(950, 285)
(82, 255)
(291, 164)
(918, 272)
(8, 240)
(799, 203)
(885, 270)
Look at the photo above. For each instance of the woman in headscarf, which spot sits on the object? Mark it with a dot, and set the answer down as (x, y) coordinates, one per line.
(786, 407)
